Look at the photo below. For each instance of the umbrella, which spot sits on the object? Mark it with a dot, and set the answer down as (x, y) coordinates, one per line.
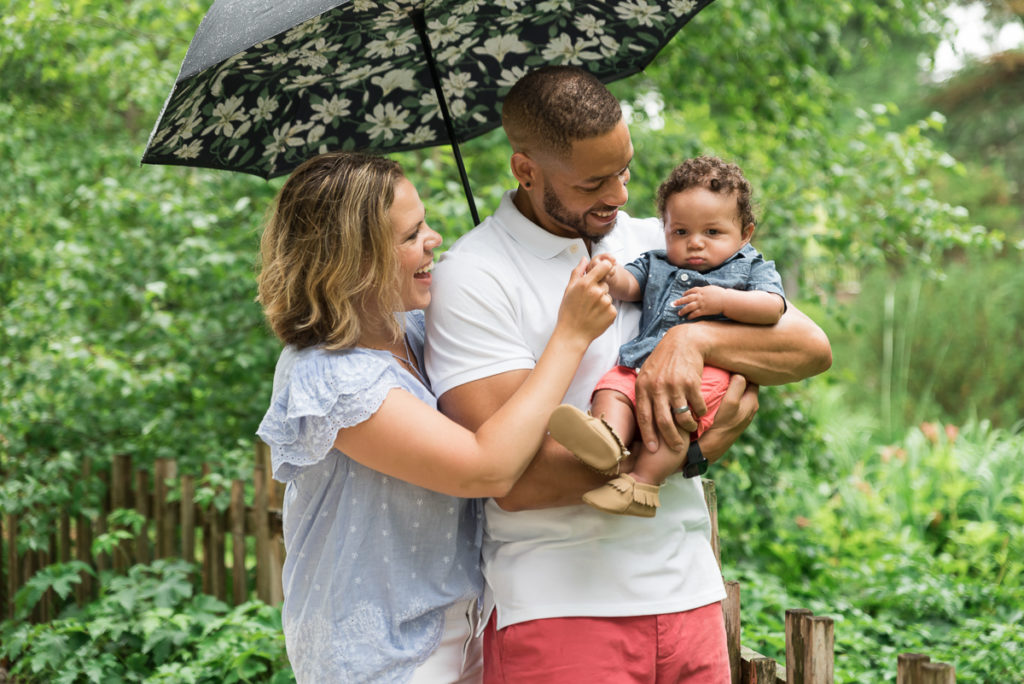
(267, 84)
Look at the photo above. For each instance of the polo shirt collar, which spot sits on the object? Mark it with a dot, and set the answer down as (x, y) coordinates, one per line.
(532, 237)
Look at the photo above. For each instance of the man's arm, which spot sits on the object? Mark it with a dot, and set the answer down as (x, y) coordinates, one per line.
(555, 477)
(792, 349)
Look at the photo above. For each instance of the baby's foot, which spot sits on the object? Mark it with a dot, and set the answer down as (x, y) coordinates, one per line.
(590, 439)
(625, 496)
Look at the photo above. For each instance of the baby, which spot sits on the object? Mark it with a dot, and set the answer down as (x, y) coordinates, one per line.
(708, 270)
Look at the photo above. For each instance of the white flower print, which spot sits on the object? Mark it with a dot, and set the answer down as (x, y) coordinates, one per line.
(609, 46)
(680, 7)
(428, 106)
(421, 136)
(276, 58)
(315, 133)
(189, 124)
(329, 110)
(456, 51)
(302, 81)
(393, 44)
(457, 108)
(306, 28)
(508, 4)
(264, 109)
(225, 115)
(397, 78)
(288, 135)
(457, 84)
(358, 74)
(509, 77)
(516, 19)
(448, 31)
(638, 11)
(561, 50)
(555, 6)
(590, 25)
(242, 130)
(190, 151)
(364, 5)
(499, 46)
(386, 119)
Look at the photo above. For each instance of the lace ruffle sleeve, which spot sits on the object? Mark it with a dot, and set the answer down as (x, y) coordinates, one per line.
(317, 393)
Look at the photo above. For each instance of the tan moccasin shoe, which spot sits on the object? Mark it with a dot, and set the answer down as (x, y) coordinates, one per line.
(590, 439)
(625, 496)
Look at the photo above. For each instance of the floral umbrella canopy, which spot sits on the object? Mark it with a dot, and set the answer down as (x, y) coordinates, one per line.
(266, 85)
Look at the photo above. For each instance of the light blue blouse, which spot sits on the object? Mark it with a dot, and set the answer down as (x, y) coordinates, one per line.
(372, 562)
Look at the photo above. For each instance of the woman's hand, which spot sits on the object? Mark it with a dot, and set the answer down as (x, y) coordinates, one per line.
(587, 307)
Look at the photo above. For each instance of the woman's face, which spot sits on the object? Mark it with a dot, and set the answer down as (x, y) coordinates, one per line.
(414, 244)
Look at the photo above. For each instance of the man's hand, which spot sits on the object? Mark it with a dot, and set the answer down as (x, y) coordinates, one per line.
(670, 379)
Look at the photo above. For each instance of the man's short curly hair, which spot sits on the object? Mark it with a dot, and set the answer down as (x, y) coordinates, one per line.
(715, 175)
(552, 107)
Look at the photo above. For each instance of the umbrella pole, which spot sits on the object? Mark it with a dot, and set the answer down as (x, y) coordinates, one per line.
(419, 22)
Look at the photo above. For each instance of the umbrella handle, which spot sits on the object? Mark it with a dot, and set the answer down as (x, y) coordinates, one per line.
(420, 23)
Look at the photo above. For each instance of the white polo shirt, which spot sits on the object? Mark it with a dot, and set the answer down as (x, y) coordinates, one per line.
(494, 303)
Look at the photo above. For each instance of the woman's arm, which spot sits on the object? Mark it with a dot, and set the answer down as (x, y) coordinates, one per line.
(408, 440)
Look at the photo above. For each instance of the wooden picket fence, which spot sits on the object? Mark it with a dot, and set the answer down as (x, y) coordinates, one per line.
(810, 640)
(173, 523)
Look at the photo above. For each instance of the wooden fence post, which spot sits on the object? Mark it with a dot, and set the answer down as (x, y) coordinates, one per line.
(711, 499)
(908, 667)
(938, 673)
(731, 610)
(143, 507)
(239, 583)
(10, 539)
(83, 545)
(757, 669)
(187, 516)
(795, 646)
(120, 482)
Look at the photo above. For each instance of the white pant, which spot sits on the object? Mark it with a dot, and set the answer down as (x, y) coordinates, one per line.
(459, 657)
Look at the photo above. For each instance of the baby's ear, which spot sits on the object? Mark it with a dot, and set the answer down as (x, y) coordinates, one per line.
(748, 232)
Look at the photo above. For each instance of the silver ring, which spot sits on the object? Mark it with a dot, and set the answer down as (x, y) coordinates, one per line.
(680, 410)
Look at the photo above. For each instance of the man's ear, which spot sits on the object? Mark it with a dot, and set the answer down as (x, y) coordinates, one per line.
(524, 169)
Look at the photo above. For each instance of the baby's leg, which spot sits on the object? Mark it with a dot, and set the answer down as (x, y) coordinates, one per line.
(616, 409)
(654, 468)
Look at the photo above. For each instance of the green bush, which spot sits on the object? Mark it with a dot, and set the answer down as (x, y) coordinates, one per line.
(913, 546)
(914, 347)
(146, 626)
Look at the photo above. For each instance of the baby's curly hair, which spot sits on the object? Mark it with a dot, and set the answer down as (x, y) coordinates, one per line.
(714, 174)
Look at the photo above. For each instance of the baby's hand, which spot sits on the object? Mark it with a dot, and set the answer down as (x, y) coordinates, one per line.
(608, 258)
(701, 301)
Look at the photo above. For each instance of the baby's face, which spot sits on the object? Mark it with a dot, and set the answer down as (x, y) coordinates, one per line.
(702, 228)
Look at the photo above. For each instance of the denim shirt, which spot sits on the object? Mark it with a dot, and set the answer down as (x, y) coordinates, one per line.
(662, 283)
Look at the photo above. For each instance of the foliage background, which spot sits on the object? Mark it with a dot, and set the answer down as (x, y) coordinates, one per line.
(127, 320)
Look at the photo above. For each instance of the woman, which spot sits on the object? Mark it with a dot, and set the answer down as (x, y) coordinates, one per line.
(382, 572)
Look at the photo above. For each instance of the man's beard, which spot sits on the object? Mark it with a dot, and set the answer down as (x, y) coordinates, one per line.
(577, 223)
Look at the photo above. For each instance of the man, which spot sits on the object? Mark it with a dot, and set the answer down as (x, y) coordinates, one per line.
(580, 596)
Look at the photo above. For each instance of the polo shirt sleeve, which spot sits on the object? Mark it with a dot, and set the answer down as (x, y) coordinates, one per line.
(473, 329)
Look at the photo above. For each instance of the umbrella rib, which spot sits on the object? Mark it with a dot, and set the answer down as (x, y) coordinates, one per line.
(419, 22)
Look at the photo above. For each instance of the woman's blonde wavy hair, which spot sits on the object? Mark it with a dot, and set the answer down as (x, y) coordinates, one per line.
(329, 267)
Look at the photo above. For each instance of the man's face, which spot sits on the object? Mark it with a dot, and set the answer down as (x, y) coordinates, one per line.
(582, 193)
